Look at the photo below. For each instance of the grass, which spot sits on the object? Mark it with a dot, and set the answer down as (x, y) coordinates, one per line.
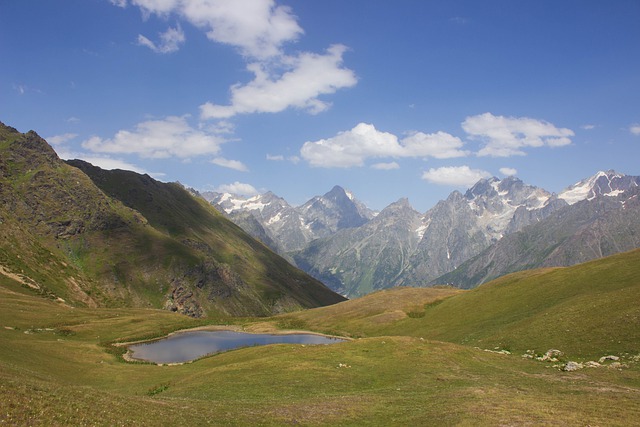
(57, 364)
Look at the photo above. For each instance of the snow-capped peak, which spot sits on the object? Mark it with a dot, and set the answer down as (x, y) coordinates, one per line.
(609, 183)
(495, 201)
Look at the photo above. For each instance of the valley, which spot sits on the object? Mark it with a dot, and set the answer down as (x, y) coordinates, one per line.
(319, 213)
(92, 259)
(420, 356)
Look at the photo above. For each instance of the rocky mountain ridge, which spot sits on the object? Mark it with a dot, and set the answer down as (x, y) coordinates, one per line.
(271, 219)
(400, 246)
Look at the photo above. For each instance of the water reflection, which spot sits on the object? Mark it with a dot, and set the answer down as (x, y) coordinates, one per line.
(187, 346)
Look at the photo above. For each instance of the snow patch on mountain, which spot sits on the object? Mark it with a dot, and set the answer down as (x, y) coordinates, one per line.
(609, 183)
(422, 229)
(276, 218)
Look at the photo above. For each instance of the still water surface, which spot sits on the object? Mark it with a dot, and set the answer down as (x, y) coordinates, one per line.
(187, 346)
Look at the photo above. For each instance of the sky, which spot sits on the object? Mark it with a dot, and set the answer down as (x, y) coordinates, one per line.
(388, 99)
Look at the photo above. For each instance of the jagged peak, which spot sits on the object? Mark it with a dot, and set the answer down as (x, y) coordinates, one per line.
(402, 203)
(9, 129)
(30, 145)
(482, 187)
(336, 188)
(607, 183)
(269, 195)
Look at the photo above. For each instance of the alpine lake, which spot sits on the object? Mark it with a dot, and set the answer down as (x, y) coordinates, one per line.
(187, 346)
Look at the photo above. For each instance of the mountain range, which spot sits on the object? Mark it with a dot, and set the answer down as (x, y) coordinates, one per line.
(85, 236)
(464, 240)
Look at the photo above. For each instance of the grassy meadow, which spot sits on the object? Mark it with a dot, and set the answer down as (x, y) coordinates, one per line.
(434, 356)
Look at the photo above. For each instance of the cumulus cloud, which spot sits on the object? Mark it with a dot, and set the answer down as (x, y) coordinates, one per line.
(169, 137)
(104, 162)
(351, 148)
(237, 188)
(307, 77)
(635, 129)
(508, 171)
(508, 136)
(258, 28)
(275, 158)
(458, 176)
(170, 41)
(386, 166)
(364, 141)
(588, 127)
(440, 145)
(231, 164)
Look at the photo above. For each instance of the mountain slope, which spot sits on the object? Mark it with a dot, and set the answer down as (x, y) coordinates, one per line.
(285, 228)
(585, 230)
(609, 183)
(133, 241)
(409, 249)
(587, 310)
(58, 367)
(359, 260)
(462, 226)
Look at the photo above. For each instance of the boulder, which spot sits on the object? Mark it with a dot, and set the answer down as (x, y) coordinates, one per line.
(572, 366)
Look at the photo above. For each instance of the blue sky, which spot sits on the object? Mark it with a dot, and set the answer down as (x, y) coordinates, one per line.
(390, 99)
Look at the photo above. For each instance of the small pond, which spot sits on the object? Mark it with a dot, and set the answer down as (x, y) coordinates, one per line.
(191, 345)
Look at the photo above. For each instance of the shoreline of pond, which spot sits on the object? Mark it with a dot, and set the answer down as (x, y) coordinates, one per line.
(127, 356)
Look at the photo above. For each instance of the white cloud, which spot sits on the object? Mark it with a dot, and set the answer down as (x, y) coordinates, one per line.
(364, 141)
(22, 89)
(231, 164)
(258, 28)
(386, 166)
(588, 127)
(635, 129)
(440, 145)
(459, 176)
(61, 139)
(220, 127)
(507, 136)
(104, 162)
(237, 188)
(351, 148)
(281, 158)
(508, 171)
(170, 41)
(307, 76)
(169, 137)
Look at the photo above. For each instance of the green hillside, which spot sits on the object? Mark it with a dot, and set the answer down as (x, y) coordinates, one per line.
(130, 241)
(586, 310)
(425, 357)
